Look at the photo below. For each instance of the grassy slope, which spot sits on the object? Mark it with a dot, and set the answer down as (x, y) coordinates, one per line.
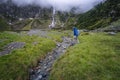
(56, 36)
(15, 65)
(3, 25)
(95, 58)
(28, 26)
(100, 16)
(6, 37)
(114, 26)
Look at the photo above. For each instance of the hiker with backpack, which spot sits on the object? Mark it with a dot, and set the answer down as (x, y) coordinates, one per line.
(76, 33)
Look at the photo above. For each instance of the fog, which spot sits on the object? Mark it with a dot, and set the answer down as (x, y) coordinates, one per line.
(61, 5)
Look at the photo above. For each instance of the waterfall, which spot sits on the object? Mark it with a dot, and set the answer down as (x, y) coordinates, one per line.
(52, 25)
(53, 18)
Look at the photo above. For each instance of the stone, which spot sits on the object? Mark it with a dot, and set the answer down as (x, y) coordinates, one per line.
(48, 70)
(45, 67)
(111, 33)
(58, 45)
(49, 59)
(11, 46)
(64, 46)
(39, 77)
(72, 44)
(44, 75)
(31, 72)
(38, 67)
(38, 71)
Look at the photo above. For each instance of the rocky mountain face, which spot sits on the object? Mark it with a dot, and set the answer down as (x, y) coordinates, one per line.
(28, 16)
(31, 16)
(13, 12)
(100, 16)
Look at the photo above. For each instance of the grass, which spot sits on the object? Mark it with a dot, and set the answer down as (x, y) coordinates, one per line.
(15, 66)
(100, 24)
(28, 25)
(116, 23)
(6, 37)
(19, 25)
(95, 58)
(3, 25)
(57, 36)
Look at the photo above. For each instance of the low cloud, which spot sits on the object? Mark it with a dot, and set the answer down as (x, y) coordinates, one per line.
(61, 5)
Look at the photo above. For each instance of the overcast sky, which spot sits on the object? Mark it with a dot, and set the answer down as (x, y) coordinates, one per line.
(61, 5)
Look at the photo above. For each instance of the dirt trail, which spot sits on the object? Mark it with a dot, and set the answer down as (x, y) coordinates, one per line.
(42, 71)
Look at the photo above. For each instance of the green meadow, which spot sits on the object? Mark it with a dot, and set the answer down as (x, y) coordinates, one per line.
(16, 65)
(96, 57)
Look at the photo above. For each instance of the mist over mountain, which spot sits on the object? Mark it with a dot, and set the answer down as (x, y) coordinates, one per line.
(91, 14)
(15, 9)
(11, 11)
(60, 5)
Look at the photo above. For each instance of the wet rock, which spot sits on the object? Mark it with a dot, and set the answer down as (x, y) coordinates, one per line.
(64, 46)
(48, 70)
(14, 45)
(39, 77)
(44, 75)
(63, 51)
(58, 44)
(31, 72)
(45, 67)
(38, 67)
(50, 57)
(38, 71)
(111, 33)
(48, 61)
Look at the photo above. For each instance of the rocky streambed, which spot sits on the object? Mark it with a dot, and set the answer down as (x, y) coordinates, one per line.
(42, 71)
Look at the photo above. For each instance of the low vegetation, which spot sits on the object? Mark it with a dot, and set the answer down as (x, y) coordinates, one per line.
(23, 24)
(28, 25)
(95, 58)
(100, 16)
(3, 25)
(15, 65)
(114, 26)
(6, 37)
(57, 36)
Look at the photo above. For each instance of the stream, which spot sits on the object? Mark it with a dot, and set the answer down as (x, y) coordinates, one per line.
(42, 71)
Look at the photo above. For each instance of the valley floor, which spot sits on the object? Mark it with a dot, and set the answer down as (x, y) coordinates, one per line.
(96, 57)
(19, 52)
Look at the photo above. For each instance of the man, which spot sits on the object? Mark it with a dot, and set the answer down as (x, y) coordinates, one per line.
(76, 33)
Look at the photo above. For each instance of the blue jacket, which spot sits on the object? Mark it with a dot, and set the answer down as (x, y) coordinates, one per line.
(75, 31)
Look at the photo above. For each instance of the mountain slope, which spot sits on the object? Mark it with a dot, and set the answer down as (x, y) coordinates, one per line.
(100, 16)
(3, 24)
(12, 12)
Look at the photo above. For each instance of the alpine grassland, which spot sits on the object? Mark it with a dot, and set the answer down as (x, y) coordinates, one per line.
(16, 65)
(96, 57)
